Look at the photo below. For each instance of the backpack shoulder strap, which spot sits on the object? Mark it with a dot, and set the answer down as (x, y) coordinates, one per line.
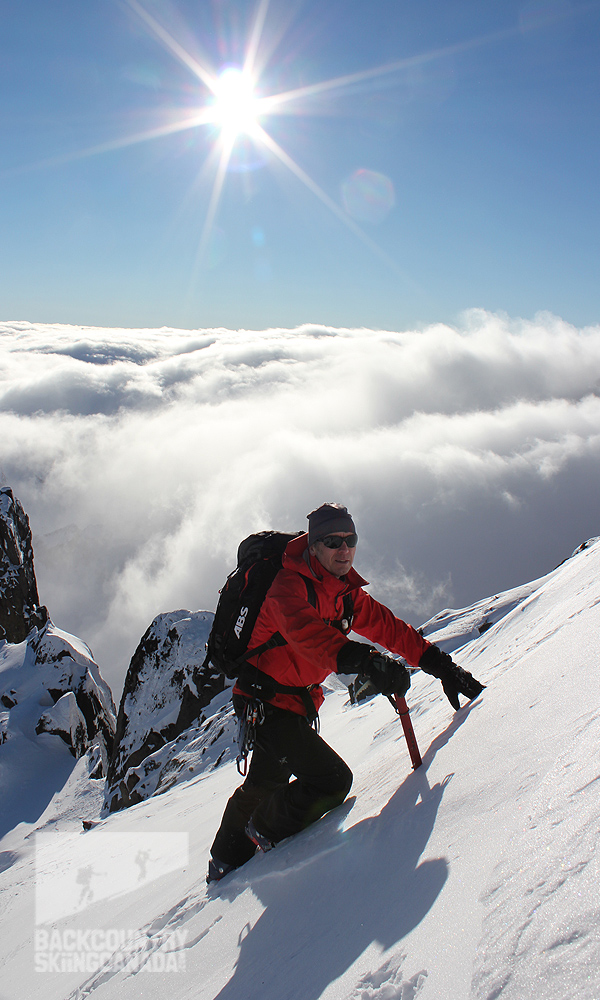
(348, 612)
(277, 639)
(310, 591)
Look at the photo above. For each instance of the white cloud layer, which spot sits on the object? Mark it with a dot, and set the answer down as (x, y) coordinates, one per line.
(468, 455)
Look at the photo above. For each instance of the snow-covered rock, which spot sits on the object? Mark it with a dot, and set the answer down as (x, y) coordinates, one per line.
(50, 684)
(165, 690)
(451, 629)
(19, 602)
(66, 720)
(198, 750)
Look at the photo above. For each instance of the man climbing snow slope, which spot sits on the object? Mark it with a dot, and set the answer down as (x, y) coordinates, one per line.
(315, 599)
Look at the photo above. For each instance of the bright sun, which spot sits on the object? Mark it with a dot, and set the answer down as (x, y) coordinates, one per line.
(236, 108)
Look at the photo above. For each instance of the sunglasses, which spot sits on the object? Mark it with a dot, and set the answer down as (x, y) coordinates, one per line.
(336, 541)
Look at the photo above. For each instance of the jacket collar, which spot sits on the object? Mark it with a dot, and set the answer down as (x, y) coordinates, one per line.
(298, 558)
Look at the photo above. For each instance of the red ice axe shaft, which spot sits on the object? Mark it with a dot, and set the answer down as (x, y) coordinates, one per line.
(411, 740)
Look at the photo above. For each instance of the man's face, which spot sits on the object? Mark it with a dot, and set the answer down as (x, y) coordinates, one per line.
(338, 562)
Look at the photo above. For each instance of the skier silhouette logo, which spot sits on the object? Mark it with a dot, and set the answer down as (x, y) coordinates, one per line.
(141, 860)
(84, 879)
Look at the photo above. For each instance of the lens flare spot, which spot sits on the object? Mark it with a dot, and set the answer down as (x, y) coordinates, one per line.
(540, 13)
(368, 196)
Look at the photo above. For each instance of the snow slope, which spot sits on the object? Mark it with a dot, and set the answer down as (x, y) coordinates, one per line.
(473, 878)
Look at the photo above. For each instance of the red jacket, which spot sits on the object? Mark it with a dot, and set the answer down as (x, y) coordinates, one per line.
(312, 645)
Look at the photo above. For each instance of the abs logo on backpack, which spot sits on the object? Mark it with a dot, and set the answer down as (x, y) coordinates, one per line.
(259, 561)
(237, 628)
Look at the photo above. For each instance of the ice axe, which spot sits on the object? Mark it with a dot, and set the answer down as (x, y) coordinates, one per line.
(362, 687)
(400, 706)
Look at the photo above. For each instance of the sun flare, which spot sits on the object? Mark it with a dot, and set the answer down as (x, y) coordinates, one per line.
(235, 110)
(236, 107)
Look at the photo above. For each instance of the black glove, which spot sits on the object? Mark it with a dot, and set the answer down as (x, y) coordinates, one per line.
(454, 679)
(386, 674)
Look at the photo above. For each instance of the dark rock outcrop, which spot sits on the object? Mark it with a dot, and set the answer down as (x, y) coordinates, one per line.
(56, 671)
(20, 609)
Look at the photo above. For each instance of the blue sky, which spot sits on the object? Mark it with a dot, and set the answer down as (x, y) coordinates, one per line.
(465, 177)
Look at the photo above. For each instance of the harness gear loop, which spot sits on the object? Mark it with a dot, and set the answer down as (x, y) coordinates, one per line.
(252, 716)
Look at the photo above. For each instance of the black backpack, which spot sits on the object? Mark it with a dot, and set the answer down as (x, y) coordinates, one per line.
(258, 563)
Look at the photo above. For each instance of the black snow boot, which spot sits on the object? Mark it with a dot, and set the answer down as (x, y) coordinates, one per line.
(262, 843)
(217, 870)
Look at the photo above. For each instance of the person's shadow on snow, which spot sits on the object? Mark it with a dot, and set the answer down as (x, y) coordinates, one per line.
(329, 893)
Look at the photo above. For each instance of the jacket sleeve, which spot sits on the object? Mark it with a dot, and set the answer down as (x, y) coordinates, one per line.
(378, 624)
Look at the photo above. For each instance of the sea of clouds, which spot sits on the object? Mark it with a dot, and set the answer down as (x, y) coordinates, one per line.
(469, 456)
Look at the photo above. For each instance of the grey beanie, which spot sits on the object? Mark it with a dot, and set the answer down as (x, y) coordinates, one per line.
(326, 519)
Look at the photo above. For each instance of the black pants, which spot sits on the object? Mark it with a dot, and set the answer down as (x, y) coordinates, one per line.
(285, 745)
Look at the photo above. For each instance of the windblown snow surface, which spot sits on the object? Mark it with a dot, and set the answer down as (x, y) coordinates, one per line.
(475, 876)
